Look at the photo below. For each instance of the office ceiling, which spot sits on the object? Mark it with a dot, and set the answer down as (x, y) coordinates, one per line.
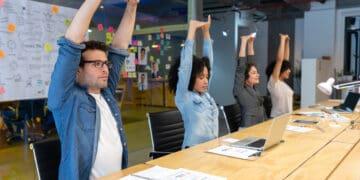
(164, 12)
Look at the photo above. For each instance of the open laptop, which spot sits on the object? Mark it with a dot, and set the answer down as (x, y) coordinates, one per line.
(348, 106)
(274, 135)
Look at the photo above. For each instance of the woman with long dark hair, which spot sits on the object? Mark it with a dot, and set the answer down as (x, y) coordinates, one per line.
(245, 81)
(189, 81)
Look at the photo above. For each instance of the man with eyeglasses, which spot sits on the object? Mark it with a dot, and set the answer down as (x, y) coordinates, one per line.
(81, 97)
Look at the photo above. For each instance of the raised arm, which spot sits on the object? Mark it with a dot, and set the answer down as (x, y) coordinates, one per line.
(287, 49)
(240, 69)
(118, 49)
(185, 68)
(125, 30)
(207, 46)
(279, 58)
(80, 23)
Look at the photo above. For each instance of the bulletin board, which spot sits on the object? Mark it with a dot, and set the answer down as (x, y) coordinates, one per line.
(28, 46)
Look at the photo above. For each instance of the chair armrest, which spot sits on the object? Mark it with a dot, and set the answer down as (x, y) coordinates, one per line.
(157, 154)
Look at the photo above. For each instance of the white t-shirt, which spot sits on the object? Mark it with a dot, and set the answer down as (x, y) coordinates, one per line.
(109, 150)
(281, 97)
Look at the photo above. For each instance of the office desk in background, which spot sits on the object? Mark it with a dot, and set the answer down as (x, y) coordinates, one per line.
(313, 155)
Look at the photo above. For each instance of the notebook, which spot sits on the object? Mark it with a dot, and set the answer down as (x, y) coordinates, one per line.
(348, 106)
(274, 136)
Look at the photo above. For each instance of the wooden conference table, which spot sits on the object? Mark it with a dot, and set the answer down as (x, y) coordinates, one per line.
(331, 151)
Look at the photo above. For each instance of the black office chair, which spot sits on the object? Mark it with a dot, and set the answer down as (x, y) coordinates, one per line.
(267, 105)
(224, 128)
(167, 132)
(233, 116)
(47, 155)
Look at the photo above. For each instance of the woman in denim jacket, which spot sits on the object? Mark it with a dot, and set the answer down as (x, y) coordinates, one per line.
(189, 80)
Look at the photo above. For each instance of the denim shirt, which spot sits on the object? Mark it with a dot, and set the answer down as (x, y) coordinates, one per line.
(199, 111)
(76, 115)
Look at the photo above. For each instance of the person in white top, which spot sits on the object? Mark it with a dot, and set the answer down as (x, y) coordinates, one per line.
(279, 71)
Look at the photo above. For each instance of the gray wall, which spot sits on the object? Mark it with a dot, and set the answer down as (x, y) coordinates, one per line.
(225, 49)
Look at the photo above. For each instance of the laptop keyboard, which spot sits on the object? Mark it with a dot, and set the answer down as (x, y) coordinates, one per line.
(257, 144)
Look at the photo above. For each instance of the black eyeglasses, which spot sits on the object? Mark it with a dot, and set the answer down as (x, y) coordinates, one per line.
(99, 64)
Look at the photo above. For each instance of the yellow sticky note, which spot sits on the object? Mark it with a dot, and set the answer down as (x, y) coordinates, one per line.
(2, 54)
(140, 43)
(11, 27)
(47, 47)
(67, 22)
(152, 59)
(55, 9)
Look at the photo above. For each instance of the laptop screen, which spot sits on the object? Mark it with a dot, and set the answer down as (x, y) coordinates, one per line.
(351, 101)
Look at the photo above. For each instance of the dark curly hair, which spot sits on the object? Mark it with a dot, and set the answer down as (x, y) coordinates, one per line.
(198, 65)
(284, 66)
(92, 45)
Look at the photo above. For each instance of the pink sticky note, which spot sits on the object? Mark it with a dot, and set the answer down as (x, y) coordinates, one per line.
(136, 61)
(158, 47)
(2, 90)
(134, 42)
(162, 30)
(111, 29)
(1, 3)
(100, 27)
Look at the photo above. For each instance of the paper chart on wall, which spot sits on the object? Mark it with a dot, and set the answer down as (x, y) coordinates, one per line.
(28, 41)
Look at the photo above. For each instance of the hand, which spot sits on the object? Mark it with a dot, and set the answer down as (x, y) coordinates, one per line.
(207, 25)
(132, 2)
(284, 36)
(194, 24)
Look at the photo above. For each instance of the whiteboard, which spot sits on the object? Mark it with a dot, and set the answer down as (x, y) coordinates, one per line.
(28, 48)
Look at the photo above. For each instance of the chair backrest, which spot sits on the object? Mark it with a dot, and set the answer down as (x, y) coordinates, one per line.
(167, 130)
(224, 128)
(47, 155)
(233, 116)
(267, 105)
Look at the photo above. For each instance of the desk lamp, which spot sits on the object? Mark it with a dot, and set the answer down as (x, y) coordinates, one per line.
(326, 87)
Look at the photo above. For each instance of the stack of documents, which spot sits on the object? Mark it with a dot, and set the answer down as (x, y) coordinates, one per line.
(242, 153)
(161, 173)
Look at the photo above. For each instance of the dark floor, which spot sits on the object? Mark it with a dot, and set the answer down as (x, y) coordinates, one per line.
(16, 160)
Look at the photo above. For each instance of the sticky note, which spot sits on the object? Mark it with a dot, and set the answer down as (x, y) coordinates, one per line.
(157, 60)
(48, 47)
(134, 42)
(169, 58)
(2, 54)
(2, 90)
(140, 43)
(136, 61)
(111, 29)
(1, 3)
(162, 30)
(67, 22)
(11, 27)
(55, 9)
(162, 35)
(168, 36)
(100, 27)
(162, 53)
(151, 58)
(158, 47)
(149, 37)
(157, 36)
